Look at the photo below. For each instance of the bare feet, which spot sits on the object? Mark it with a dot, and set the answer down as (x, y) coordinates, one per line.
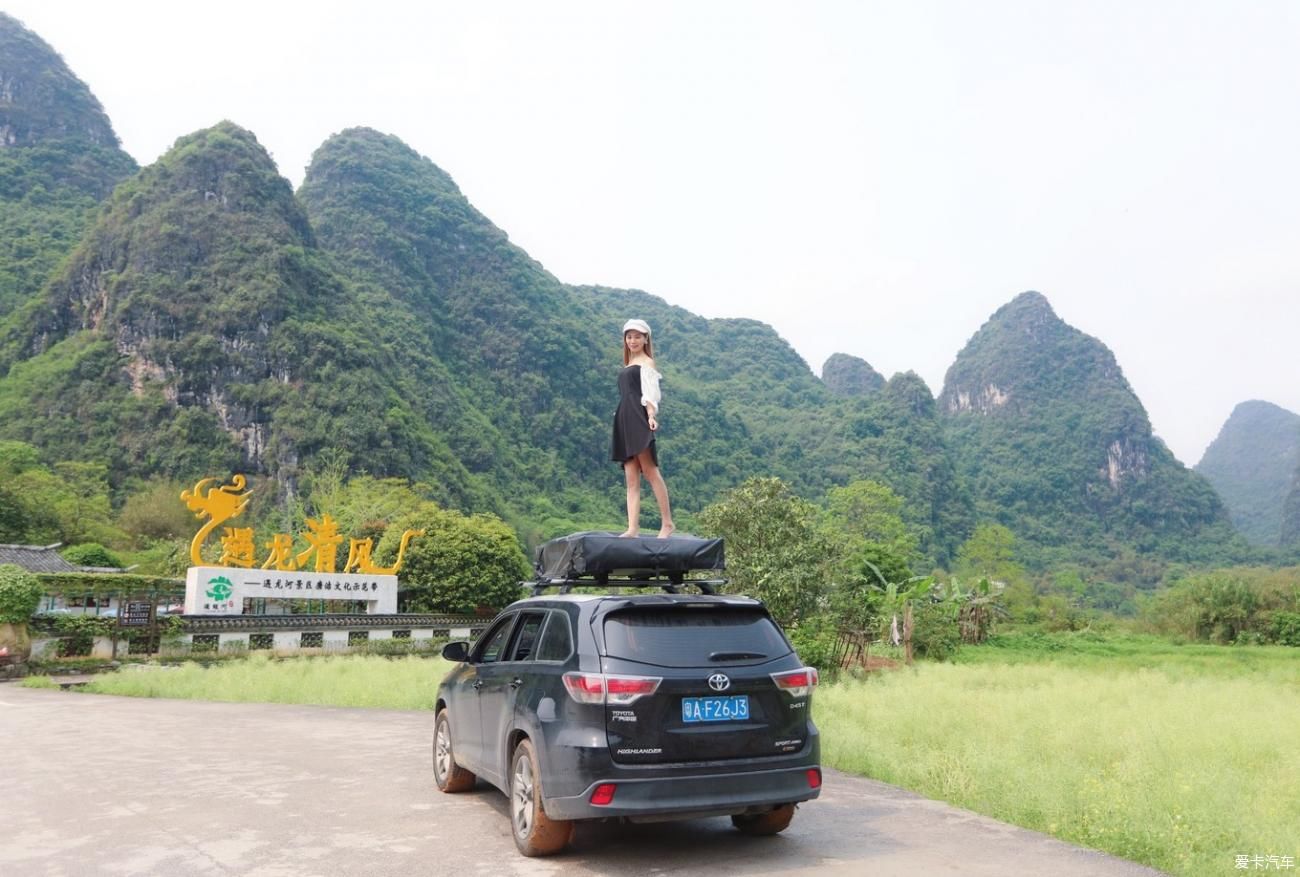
(629, 534)
(666, 530)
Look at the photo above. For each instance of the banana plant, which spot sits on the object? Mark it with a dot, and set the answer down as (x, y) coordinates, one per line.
(896, 600)
(978, 607)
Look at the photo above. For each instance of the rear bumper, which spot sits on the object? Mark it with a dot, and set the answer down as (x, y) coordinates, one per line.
(690, 795)
(575, 758)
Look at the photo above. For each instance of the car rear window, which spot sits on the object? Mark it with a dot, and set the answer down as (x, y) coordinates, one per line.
(693, 637)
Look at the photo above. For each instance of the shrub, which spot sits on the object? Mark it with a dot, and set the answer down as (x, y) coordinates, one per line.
(70, 624)
(107, 584)
(91, 554)
(77, 632)
(814, 639)
(460, 565)
(935, 632)
(400, 647)
(20, 594)
(1285, 628)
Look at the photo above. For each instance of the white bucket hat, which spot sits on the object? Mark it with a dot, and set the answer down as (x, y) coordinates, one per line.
(637, 326)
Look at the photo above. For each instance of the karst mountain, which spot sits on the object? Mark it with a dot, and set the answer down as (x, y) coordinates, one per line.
(1253, 464)
(199, 317)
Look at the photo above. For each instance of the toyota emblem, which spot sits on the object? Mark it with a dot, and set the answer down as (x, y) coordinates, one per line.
(719, 682)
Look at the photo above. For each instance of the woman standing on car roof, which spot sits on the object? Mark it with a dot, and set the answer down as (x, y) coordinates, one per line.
(635, 426)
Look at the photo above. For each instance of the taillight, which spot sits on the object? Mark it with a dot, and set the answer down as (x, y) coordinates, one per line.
(814, 778)
(625, 689)
(603, 794)
(600, 688)
(797, 683)
(585, 687)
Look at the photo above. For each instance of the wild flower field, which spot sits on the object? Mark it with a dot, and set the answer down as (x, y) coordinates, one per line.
(407, 683)
(1180, 757)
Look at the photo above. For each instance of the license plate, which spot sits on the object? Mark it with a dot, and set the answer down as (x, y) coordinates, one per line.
(715, 709)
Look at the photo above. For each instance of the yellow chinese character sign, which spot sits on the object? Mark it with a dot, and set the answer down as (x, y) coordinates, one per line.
(219, 504)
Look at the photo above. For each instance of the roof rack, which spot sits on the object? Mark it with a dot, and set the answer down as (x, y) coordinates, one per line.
(672, 584)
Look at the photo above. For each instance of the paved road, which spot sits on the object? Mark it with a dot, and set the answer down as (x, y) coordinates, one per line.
(104, 785)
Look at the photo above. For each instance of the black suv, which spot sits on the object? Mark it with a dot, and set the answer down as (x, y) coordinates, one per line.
(643, 707)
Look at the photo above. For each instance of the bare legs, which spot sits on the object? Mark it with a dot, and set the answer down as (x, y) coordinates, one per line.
(633, 469)
(632, 473)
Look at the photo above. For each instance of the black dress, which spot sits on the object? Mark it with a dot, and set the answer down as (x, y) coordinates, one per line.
(632, 433)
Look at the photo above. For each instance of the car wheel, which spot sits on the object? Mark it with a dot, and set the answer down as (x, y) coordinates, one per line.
(535, 833)
(449, 776)
(762, 824)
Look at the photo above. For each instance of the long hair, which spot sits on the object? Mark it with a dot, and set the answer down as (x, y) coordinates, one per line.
(649, 350)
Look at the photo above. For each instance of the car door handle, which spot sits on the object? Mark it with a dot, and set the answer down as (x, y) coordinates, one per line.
(516, 682)
(478, 683)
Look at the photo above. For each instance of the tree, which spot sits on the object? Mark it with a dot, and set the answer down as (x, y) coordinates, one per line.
(1223, 606)
(20, 594)
(18, 457)
(870, 513)
(776, 551)
(68, 503)
(14, 517)
(865, 520)
(156, 512)
(83, 509)
(990, 552)
(460, 565)
(363, 504)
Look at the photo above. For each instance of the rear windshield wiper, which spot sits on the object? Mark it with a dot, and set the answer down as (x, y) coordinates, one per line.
(734, 656)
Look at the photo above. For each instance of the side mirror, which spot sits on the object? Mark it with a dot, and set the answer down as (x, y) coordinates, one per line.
(457, 652)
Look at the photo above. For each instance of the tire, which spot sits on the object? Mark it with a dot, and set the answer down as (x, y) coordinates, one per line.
(535, 833)
(449, 776)
(764, 824)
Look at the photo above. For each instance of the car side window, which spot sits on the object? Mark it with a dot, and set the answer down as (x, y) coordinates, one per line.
(493, 642)
(525, 640)
(557, 640)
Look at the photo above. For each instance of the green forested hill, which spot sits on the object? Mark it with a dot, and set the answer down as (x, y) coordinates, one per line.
(59, 158)
(532, 361)
(197, 328)
(801, 430)
(1055, 445)
(1251, 464)
(203, 319)
(1290, 538)
(848, 375)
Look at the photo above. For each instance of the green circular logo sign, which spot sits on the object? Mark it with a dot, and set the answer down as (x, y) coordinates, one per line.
(220, 588)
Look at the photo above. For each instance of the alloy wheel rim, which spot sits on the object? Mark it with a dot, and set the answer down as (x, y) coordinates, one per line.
(522, 796)
(442, 750)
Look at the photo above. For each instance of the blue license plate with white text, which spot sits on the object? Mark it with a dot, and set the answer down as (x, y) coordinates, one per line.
(715, 709)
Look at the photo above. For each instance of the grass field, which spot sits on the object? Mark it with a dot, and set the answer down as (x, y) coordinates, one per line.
(408, 683)
(1181, 757)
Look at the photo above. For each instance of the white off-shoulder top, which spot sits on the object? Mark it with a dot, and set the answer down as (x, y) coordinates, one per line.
(650, 386)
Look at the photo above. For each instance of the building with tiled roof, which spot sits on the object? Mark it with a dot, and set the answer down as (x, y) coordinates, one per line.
(43, 558)
(36, 558)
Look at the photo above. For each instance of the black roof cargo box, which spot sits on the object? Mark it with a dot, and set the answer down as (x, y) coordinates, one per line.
(599, 555)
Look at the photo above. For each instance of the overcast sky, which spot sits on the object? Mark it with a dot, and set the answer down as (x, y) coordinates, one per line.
(872, 178)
